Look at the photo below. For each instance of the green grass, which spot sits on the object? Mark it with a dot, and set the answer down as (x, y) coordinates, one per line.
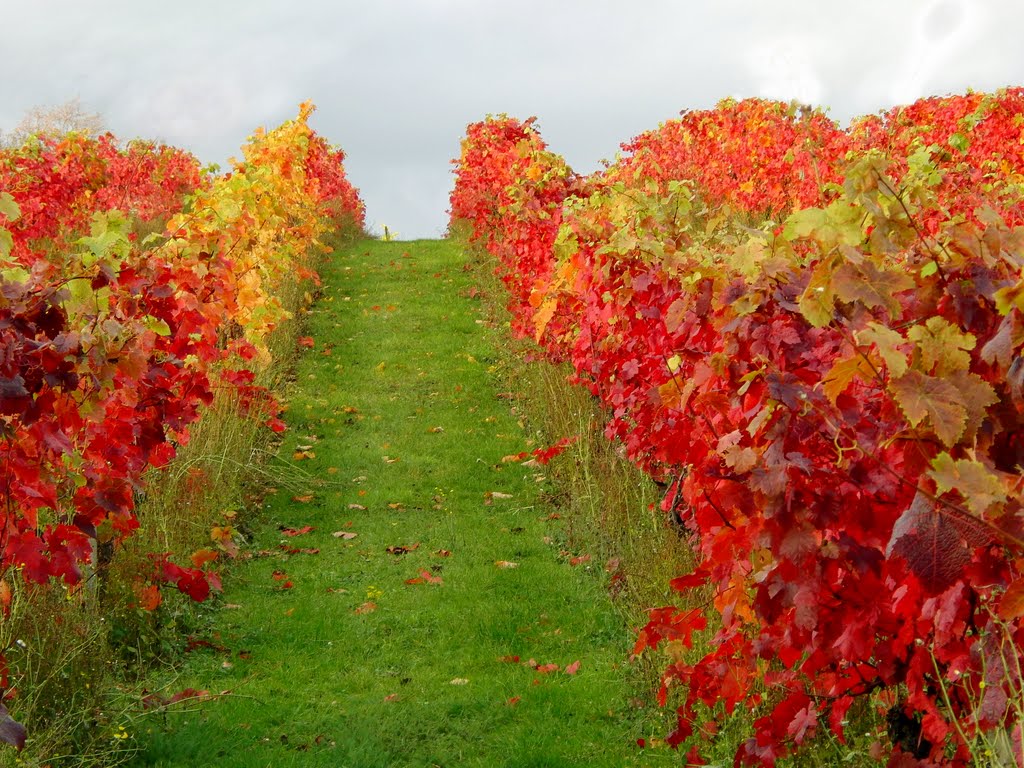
(401, 404)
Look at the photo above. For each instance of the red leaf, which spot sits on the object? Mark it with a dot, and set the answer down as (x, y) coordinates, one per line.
(934, 544)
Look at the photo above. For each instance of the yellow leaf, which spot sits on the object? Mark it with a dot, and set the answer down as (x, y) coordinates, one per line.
(887, 342)
(919, 396)
(979, 487)
(943, 346)
(842, 374)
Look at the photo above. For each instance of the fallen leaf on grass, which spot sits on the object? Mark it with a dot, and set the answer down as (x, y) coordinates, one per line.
(299, 550)
(459, 681)
(306, 341)
(436, 430)
(281, 576)
(443, 553)
(346, 535)
(297, 531)
(303, 499)
(396, 505)
(390, 460)
(579, 560)
(402, 549)
(509, 659)
(391, 696)
(426, 577)
(513, 701)
(505, 564)
(368, 607)
(301, 455)
(357, 507)
(573, 668)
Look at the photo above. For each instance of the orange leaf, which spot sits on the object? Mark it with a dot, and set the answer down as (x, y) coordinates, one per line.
(148, 596)
(203, 556)
(368, 607)
(573, 668)
(306, 341)
(303, 499)
(1011, 605)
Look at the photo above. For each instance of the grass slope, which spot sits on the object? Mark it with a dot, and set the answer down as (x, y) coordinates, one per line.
(331, 658)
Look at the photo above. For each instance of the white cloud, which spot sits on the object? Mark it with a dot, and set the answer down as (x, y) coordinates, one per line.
(396, 81)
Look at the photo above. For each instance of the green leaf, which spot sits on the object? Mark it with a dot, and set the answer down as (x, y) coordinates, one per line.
(817, 302)
(923, 167)
(8, 207)
(158, 326)
(959, 142)
(109, 237)
(804, 223)
(6, 243)
(14, 274)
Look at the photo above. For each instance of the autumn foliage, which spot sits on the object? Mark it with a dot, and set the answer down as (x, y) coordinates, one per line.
(113, 341)
(813, 338)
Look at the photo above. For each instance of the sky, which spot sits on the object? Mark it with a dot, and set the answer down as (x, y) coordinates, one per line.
(397, 81)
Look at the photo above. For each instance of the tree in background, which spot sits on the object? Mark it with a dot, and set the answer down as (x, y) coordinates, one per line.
(54, 121)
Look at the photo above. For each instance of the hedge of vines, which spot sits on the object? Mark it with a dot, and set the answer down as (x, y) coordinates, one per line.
(113, 340)
(812, 336)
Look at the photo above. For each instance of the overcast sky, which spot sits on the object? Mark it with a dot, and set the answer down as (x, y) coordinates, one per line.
(396, 81)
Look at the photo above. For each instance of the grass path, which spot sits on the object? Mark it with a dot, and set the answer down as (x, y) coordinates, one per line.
(330, 655)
